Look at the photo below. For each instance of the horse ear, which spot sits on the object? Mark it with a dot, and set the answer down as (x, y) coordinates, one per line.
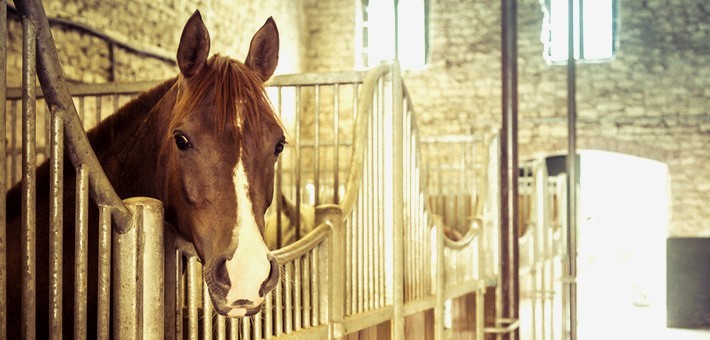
(264, 50)
(194, 46)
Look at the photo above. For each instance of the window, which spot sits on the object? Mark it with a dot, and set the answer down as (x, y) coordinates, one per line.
(595, 24)
(386, 33)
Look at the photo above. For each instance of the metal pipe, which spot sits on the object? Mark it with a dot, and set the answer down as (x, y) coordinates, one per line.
(572, 176)
(29, 177)
(57, 94)
(56, 242)
(509, 164)
(316, 147)
(104, 300)
(3, 171)
(206, 312)
(81, 253)
(192, 323)
(336, 143)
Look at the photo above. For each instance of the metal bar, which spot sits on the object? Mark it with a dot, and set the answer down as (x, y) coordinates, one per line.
(397, 200)
(104, 300)
(56, 204)
(298, 277)
(316, 147)
(206, 312)
(221, 328)
(572, 176)
(288, 278)
(3, 171)
(336, 143)
(124, 307)
(297, 159)
(306, 289)
(192, 323)
(57, 94)
(81, 252)
(279, 310)
(268, 312)
(80, 90)
(509, 164)
(315, 269)
(29, 160)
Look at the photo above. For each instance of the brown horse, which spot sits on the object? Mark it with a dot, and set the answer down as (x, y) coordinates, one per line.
(205, 144)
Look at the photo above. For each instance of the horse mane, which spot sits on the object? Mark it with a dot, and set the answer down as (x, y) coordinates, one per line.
(133, 112)
(239, 97)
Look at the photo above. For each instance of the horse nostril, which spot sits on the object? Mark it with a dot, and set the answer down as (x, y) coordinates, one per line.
(221, 277)
(273, 277)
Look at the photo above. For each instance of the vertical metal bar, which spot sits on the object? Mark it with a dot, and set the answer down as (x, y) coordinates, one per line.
(192, 326)
(14, 148)
(206, 312)
(221, 328)
(81, 254)
(257, 325)
(297, 159)
(298, 277)
(306, 289)
(279, 311)
(29, 160)
(3, 170)
(104, 301)
(288, 278)
(439, 283)
(397, 202)
(572, 176)
(279, 183)
(336, 144)
(316, 147)
(268, 312)
(125, 288)
(234, 328)
(56, 164)
(509, 165)
(316, 287)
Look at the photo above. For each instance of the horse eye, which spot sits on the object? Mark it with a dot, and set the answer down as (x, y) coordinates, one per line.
(182, 142)
(279, 147)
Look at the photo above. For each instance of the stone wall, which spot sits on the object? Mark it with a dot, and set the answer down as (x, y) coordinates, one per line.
(156, 25)
(650, 101)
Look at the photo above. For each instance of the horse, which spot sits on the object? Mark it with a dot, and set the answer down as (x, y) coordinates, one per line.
(204, 143)
(291, 218)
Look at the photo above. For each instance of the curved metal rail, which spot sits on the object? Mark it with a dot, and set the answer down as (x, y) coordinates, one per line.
(59, 100)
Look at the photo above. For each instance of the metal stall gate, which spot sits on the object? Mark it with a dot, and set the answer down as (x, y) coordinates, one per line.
(366, 246)
(135, 284)
(542, 252)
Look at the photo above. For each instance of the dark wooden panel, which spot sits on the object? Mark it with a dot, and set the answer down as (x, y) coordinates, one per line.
(688, 282)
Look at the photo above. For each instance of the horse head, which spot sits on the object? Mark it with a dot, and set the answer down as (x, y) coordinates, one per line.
(221, 143)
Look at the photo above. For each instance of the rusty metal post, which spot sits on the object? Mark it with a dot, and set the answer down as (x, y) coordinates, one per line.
(510, 294)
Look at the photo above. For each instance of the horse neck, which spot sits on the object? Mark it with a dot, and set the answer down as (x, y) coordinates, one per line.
(127, 143)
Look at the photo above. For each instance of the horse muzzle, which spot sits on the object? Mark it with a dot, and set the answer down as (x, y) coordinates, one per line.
(229, 296)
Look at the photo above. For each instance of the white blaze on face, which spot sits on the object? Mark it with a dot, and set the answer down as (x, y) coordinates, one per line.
(249, 266)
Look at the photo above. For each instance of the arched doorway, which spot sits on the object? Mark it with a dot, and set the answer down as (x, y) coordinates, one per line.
(623, 223)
